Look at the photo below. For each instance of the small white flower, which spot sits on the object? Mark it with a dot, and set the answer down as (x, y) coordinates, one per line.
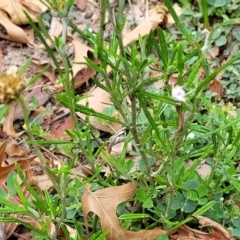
(178, 94)
(190, 135)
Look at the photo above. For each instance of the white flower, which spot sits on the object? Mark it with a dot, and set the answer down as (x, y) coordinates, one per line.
(178, 94)
(190, 135)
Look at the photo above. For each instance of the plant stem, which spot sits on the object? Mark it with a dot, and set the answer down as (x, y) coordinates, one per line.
(69, 87)
(135, 133)
(103, 7)
(34, 143)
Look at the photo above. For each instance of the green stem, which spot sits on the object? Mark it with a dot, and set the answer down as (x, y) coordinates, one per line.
(69, 87)
(34, 143)
(103, 7)
(135, 133)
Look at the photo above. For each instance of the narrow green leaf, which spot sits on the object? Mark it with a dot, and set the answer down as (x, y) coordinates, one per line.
(134, 216)
(142, 103)
(203, 5)
(43, 41)
(164, 99)
(90, 112)
(37, 197)
(194, 71)
(25, 66)
(163, 44)
(180, 64)
(209, 78)
(177, 20)
(38, 75)
(3, 111)
(27, 225)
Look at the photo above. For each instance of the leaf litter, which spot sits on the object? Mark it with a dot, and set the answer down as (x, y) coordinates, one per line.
(104, 203)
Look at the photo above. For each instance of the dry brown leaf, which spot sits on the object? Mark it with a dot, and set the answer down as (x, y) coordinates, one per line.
(217, 88)
(15, 9)
(14, 149)
(98, 100)
(178, 11)
(9, 228)
(5, 170)
(203, 169)
(118, 148)
(54, 32)
(8, 127)
(57, 129)
(36, 91)
(104, 203)
(81, 51)
(219, 229)
(218, 232)
(43, 181)
(12, 32)
(37, 66)
(81, 4)
(145, 27)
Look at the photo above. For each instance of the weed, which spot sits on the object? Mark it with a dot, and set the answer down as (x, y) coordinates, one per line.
(167, 128)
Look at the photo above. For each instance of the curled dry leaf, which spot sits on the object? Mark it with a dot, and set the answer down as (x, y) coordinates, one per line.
(9, 228)
(81, 4)
(8, 127)
(203, 169)
(206, 222)
(178, 11)
(104, 203)
(54, 32)
(81, 72)
(36, 91)
(12, 32)
(217, 88)
(5, 170)
(12, 14)
(14, 149)
(98, 100)
(145, 27)
(218, 232)
(15, 9)
(57, 129)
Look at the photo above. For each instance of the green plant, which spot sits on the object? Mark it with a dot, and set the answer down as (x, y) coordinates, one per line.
(167, 127)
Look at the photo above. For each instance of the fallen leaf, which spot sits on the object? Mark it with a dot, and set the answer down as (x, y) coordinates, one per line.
(57, 129)
(217, 88)
(14, 149)
(43, 181)
(81, 4)
(203, 169)
(5, 170)
(178, 11)
(12, 32)
(15, 10)
(80, 52)
(8, 127)
(118, 148)
(98, 100)
(104, 203)
(54, 32)
(219, 229)
(36, 91)
(144, 28)
(218, 232)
